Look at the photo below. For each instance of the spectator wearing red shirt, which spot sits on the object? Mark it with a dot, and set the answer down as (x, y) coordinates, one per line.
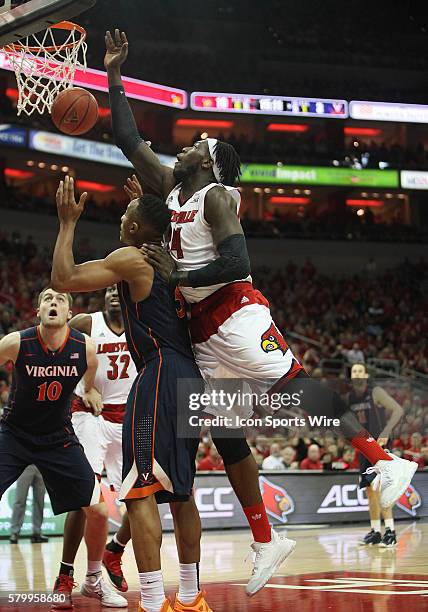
(212, 463)
(312, 461)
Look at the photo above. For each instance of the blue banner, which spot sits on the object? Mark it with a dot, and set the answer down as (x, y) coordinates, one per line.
(13, 135)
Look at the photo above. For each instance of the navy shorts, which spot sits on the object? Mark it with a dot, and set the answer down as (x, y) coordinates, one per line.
(367, 479)
(69, 479)
(155, 460)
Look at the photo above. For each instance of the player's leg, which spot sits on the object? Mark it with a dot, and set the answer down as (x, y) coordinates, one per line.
(71, 485)
(18, 512)
(188, 530)
(373, 537)
(393, 475)
(112, 555)
(92, 522)
(39, 491)
(389, 539)
(140, 484)
(15, 456)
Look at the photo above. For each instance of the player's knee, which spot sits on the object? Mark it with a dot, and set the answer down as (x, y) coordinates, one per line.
(232, 450)
(97, 512)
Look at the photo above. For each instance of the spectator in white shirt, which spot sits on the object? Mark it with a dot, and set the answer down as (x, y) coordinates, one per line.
(355, 355)
(274, 461)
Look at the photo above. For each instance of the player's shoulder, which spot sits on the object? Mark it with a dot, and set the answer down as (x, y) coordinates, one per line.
(125, 255)
(82, 322)
(221, 197)
(28, 333)
(77, 336)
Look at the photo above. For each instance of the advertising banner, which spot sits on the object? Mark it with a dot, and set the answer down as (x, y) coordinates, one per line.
(80, 148)
(13, 135)
(291, 498)
(389, 111)
(273, 174)
(411, 179)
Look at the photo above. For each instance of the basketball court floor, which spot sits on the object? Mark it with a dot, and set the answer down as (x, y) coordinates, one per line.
(328, 571)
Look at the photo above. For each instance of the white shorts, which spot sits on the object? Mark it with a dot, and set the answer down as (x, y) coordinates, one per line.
(102, 443)
(235, 337)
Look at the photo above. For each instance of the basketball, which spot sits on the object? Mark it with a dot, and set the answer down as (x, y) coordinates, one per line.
(75, 111)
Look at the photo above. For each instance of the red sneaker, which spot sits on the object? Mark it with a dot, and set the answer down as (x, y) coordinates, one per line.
(113, 563)
(61, 596)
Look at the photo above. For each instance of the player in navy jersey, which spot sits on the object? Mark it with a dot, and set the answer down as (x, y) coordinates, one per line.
(378, 412)
(157, 464)
(49, 360)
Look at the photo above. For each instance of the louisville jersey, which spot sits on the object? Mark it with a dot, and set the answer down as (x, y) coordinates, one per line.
(191, 243)
(42, 386)
(370, 415)
(116, 370)
(153, 323)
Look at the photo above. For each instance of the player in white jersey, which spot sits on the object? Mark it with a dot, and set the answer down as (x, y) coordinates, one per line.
(232, 330)
(100, 434)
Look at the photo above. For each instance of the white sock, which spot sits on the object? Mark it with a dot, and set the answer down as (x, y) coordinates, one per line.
(375, 525)
(116, 541)
(94, 567)
(389, 523)
(152, 591)
(189, 582)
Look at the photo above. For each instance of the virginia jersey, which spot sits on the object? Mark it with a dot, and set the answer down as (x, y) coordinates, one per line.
(191, 243)
(43, 383)
(153, 323)
(116, 370)
(369, 415)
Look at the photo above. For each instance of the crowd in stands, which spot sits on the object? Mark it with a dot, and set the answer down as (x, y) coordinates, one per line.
(322, 452)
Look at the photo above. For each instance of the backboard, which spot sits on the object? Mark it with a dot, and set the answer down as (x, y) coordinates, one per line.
(19, 18)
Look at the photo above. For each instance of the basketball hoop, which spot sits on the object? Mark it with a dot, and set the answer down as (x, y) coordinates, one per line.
(44, 66)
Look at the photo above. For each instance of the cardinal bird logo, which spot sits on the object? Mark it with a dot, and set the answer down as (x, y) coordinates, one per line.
(273, 340)
(276, 499)
(410, 500)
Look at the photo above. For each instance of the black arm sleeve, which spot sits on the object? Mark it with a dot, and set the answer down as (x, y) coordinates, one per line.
(125, 129)
(233, 264)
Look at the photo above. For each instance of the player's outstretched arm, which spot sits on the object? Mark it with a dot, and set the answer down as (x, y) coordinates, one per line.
(232, 263)
(123, 264)
(127, 137)
(393, 410)
(9, 347)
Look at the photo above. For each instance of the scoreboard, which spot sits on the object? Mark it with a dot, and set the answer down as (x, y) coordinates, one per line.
(268, 105)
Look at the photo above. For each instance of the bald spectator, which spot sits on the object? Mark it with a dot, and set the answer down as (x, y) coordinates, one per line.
(312, 461)
(274, 461)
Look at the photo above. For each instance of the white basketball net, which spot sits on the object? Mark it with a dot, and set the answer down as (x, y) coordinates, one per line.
(44, 67)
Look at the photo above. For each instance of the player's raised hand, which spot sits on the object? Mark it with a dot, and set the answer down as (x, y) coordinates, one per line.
(116, 49)
(160, 259)
(92, 399)
(68, 210)
(133, 188)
